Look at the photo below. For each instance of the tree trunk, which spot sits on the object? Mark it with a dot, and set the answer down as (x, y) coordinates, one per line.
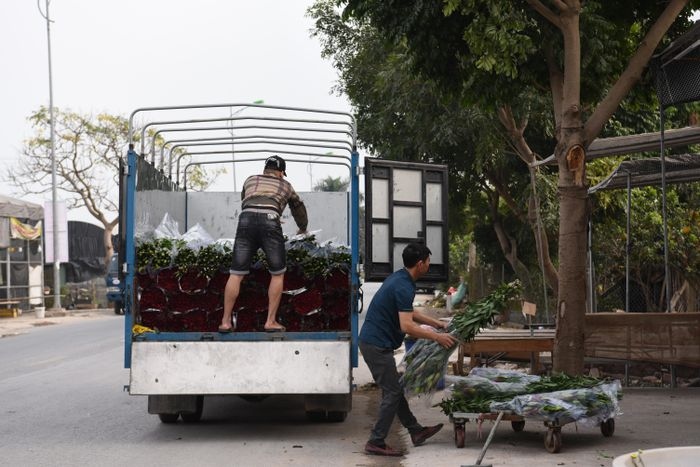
(573, 222)
(109, 246)
(573, 195)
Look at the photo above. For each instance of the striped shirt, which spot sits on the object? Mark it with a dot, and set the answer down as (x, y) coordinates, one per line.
(269, 192)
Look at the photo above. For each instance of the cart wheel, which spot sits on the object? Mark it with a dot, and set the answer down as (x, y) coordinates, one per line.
(459, 435)
(518, 425)
(552, 440)
(608, 427)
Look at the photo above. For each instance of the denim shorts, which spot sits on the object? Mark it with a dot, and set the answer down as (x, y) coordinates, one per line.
(259, 230)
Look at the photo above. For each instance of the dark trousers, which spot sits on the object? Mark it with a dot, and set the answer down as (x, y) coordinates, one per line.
(383, 367)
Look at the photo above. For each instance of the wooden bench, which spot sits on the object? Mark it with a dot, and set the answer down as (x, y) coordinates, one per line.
(516, 344)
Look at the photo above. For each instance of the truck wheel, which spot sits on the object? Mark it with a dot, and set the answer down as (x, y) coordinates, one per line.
(336, 416)
(168, 417)
(316, 415)
(194, 417)
(118, 310)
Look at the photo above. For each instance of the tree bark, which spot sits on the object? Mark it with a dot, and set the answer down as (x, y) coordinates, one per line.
(109, 246)
(571, 303)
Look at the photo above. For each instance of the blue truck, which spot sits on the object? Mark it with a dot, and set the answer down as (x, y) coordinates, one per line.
(113, 284)
(404, 201)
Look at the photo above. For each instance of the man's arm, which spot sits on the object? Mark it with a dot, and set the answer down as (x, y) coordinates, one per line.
(296, 205)
(409, 325)
(422, 318)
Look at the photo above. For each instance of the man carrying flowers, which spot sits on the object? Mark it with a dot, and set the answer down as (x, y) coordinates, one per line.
(390, 317)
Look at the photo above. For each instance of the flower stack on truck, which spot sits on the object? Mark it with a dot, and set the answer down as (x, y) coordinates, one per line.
(177, 252)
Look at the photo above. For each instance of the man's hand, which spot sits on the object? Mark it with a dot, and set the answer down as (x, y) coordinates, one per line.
(441, 324)
(444, 339)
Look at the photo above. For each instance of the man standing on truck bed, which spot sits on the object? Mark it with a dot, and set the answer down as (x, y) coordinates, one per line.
(389, 318)
(264, 199)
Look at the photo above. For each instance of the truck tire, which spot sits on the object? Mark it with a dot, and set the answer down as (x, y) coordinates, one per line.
(330, 416)
(118, 310)
(316, 415)
(253, 397)
(194, 417)
(168, 417)
(336, 416)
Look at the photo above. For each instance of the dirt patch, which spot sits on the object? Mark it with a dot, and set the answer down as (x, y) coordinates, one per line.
(43, 323)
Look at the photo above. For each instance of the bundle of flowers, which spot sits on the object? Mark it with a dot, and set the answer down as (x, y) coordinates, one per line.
(182, 289)
(426, 361)
(511, 383)
(559, 398)
(589, 406)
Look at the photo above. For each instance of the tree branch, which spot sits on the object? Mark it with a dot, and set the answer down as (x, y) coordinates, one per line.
(515, 133)
(548, 14)
(556, 83)
(607, 107)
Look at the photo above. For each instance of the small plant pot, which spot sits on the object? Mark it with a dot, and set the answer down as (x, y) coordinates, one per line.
(40, 312)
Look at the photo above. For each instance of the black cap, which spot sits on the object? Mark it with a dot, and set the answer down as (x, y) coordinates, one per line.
(276, 163)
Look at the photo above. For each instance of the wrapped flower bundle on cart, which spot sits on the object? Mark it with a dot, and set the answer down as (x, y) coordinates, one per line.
(555, 400)
(547, 398)
(509, 383)
(587, 406)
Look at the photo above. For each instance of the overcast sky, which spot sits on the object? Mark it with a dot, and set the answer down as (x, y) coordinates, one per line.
(118, 55)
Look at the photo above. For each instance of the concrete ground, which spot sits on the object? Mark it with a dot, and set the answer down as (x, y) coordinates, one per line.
(650, 418)
(28, 320)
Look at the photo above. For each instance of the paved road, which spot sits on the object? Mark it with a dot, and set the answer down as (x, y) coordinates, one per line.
(62, 404)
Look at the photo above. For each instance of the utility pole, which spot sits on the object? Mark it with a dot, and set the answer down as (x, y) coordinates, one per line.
(54, 191)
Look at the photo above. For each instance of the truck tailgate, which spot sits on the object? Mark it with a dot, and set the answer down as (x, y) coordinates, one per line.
(240, 367)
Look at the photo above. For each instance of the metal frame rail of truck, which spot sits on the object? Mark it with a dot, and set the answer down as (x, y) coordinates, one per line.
(405, 202)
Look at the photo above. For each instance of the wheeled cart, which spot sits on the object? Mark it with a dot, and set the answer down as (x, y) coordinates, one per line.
(552, 439)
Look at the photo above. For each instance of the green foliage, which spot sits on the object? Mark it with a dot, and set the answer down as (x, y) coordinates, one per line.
(404, 115)
(333, 184)
(314, 260)
(185, 259)
(211, 258)
(646, 254)
(426, 361)
(155, 254)
(459, 256)
(466, 324)
(426, 77)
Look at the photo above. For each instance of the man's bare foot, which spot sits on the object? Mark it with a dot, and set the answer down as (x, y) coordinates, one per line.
(226, 327)
(274, 326)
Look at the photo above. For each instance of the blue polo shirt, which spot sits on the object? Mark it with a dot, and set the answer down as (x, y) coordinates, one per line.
(381, 327)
